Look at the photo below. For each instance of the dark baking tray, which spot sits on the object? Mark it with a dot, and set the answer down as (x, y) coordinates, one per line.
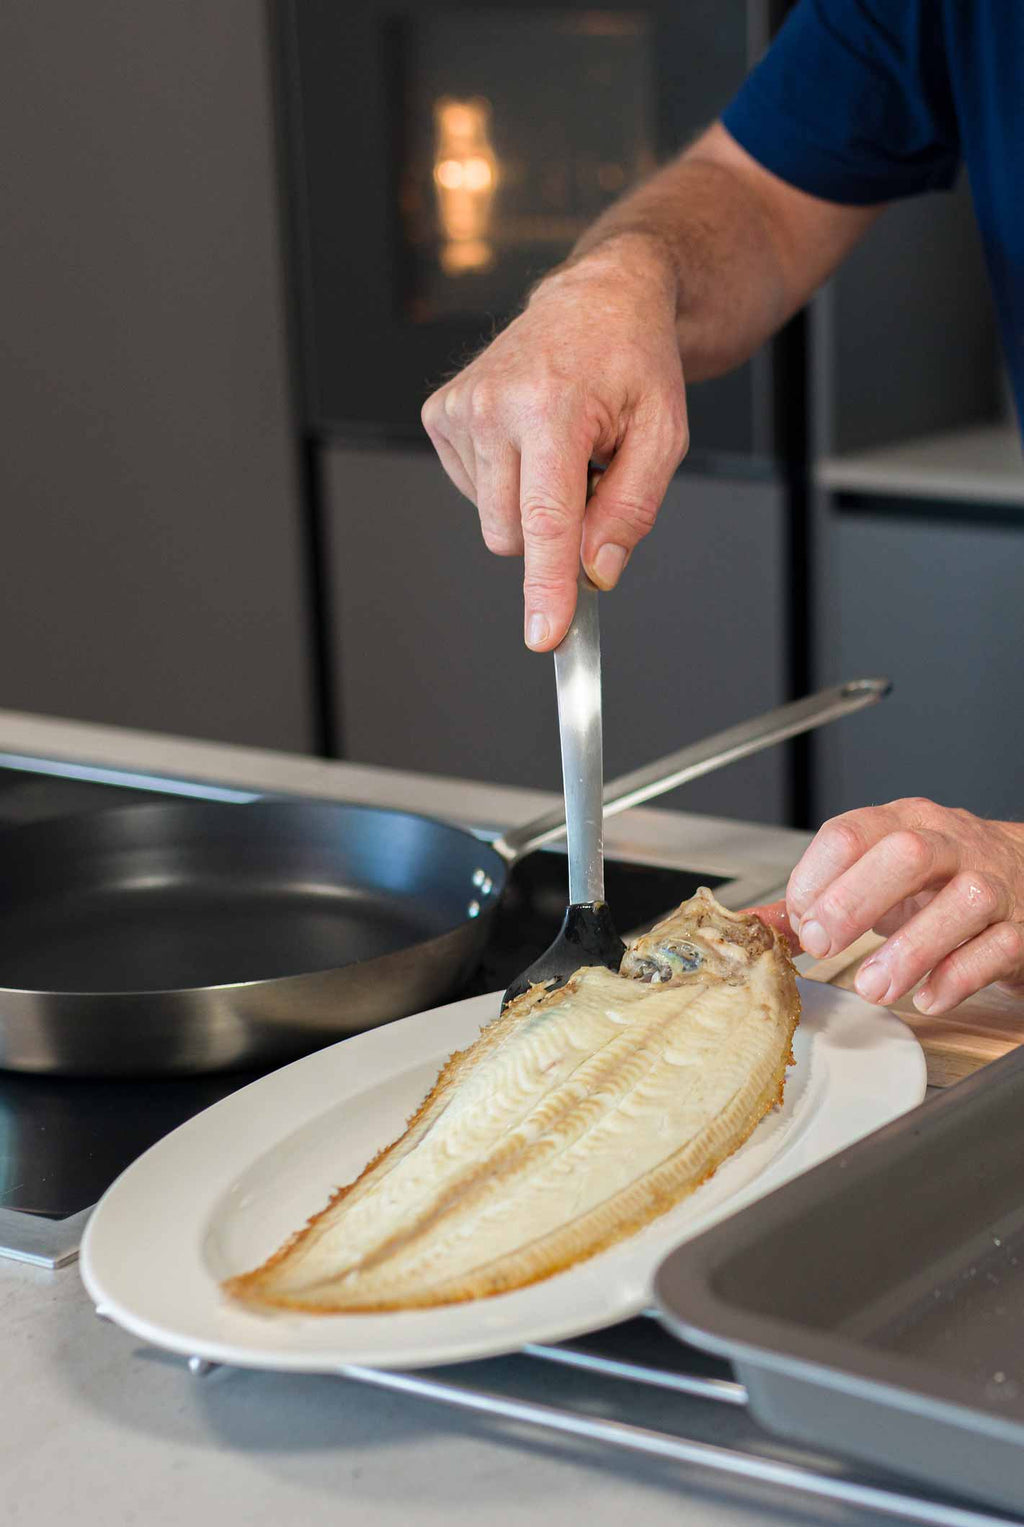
(875, 1305)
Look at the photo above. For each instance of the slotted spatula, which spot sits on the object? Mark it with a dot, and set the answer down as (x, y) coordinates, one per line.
(587, 935)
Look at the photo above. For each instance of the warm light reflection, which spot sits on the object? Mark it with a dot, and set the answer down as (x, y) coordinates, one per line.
(474, 174)
(461, 256)
(465, 179)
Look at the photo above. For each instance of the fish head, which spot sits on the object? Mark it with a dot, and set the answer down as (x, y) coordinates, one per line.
(700, 938)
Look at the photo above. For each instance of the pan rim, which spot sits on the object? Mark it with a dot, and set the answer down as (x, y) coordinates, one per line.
(195, 805)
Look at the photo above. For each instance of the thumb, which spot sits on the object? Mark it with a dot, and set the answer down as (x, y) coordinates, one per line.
(625, 502)
(774, 916)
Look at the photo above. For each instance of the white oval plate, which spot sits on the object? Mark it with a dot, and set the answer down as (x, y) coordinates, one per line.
(220, 1193)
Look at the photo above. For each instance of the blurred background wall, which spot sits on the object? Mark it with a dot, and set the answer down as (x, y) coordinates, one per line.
(152, 571)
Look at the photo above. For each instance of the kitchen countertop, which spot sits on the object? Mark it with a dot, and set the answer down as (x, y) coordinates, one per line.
(95, 1427)
(978, 465)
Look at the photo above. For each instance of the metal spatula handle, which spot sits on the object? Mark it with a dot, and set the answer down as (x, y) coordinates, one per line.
(702, 757)
(578, 680)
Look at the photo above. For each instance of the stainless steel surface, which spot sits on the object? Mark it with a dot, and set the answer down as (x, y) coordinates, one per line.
(699, 758)
(725, 1390)
(825, 1481)
(748, 737)
(899, 1340)
(578, 684)
(588, 935)
(661, 1404)
(201, 936)
(44, 1242)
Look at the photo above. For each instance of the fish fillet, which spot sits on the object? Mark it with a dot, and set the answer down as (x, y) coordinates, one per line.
(576, 1118)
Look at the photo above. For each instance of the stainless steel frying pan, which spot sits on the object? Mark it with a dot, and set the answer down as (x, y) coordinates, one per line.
(199, 936)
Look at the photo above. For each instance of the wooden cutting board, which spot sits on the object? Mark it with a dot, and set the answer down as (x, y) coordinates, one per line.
(955, 1044)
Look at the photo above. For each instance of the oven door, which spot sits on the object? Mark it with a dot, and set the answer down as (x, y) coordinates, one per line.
(442, 157)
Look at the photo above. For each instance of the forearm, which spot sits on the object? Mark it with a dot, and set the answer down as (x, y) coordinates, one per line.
(702, 226)
(739, 249)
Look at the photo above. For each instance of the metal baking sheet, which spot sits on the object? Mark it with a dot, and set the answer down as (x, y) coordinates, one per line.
(875, 1305)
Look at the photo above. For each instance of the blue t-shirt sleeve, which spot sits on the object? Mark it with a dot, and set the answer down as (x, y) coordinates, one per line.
(853, 102)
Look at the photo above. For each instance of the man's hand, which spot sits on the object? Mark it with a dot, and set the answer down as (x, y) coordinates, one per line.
(946, 889)
(704, 261)
(590, 370)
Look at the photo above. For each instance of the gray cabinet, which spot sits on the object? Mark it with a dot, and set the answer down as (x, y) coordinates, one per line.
(918, 574)
(151, 572)
(905, 332)
(938, 604)
(431, 672)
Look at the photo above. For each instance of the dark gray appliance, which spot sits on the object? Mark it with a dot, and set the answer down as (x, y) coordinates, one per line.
(875, 1305)
(441, 157)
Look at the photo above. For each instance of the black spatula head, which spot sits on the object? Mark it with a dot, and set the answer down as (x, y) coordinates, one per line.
(587, 937)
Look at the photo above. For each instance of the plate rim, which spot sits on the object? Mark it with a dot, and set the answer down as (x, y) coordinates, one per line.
(360, 1053)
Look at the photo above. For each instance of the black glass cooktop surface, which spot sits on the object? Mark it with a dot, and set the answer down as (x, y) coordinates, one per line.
(64, 1140)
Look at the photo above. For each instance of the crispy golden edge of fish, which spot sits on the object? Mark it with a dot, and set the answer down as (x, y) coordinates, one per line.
(245, 1285)
(486, 1287)
(248, 1287)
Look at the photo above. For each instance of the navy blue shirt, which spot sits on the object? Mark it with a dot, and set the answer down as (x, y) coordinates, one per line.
(864, 101)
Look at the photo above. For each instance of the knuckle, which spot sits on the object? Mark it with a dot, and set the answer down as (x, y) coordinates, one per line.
(922, 812)
(801, 891)
(1009, 943)
(543, 592)
(907, 965)
(835, 910)
(451, 402)
(670, 422)
(432, 414)
(544, 521)
(545, 580)
(840, 835)
(638, 510)
(484, 403)
(678, 431)
(978, 891)
(912, 849)
(663, 421)
(500, 540)
(954, 978)
(913, 803)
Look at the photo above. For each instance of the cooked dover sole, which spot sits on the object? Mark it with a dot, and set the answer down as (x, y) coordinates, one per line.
(576, 1118)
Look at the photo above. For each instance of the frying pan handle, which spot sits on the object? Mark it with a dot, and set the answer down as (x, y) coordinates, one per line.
(699, 758)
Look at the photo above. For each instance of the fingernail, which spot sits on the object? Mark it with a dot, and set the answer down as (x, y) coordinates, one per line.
(815, 940)
(924, 1000)
(606, 568)
(872, 981)
(536, 631)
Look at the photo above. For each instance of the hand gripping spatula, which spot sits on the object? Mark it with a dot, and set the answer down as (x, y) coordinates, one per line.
(587, 935)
